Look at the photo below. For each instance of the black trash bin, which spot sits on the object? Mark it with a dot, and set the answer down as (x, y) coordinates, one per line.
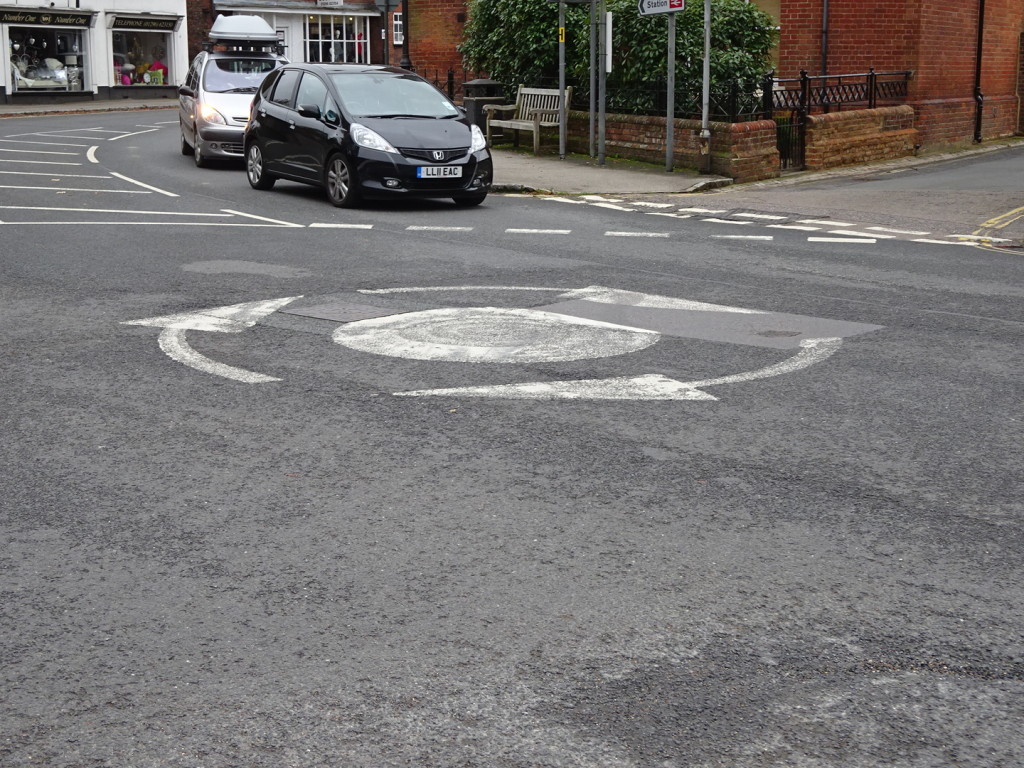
(478, 93)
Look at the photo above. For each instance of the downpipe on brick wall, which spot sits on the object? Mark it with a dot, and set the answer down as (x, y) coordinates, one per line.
(979, 97)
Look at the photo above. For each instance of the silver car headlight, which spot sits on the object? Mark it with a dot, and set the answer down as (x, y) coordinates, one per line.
(211, 115)
(364, 137)
(478, 141)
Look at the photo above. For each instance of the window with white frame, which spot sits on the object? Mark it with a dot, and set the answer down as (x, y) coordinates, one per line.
(337, 38)
(397, 29)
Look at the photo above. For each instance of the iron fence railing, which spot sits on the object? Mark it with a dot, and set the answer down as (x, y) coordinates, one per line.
(734, 103)
(810, 93)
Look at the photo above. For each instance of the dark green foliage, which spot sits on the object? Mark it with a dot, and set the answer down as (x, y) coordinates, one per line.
(516, 41)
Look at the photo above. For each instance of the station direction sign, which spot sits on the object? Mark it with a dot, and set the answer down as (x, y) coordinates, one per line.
(648, 7)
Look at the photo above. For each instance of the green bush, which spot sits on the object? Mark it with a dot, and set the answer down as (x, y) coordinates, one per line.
(516, 41)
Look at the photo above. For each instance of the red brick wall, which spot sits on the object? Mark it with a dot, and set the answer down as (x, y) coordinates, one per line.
(742, 151)
(934, 38)
(435, 29)
(859, 136)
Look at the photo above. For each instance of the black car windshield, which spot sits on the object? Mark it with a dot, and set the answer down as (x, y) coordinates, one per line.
(373, 94)
(237, 75)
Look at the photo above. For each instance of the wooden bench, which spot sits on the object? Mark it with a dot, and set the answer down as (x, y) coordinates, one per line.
(535, 108)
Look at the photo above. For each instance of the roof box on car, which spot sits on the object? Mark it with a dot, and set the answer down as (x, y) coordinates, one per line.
(242, 31)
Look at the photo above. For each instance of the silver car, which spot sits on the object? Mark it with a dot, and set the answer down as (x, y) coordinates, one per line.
(215, 98)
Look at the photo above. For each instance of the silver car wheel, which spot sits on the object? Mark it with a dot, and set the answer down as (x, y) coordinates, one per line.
(340, 183)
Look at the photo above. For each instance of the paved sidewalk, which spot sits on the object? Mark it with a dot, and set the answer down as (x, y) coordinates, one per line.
(520, 171)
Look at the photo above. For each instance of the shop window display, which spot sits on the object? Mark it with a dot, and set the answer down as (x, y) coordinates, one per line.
(140, 58)
(46, 59)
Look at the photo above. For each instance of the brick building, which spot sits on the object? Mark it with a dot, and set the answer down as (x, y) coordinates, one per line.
(367, 31)
(935, 39)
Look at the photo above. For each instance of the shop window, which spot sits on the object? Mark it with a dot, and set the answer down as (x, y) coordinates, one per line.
(46, 58)
(140, 58)
(337, 39)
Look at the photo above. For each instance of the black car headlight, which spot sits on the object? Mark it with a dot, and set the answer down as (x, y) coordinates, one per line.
(364, 137)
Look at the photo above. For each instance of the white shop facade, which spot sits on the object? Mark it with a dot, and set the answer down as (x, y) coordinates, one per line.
(83, 50)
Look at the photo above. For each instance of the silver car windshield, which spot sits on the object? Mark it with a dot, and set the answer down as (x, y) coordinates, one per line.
(369, 94)
(237, 75)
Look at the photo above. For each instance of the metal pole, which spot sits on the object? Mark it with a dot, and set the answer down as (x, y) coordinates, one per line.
(406, 62)
(593, 74)
(705, 123)
(670, 111)
(561, 80)
(602, 81)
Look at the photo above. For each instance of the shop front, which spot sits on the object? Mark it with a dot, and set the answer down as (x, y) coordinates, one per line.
(88, 53)
(47, 51)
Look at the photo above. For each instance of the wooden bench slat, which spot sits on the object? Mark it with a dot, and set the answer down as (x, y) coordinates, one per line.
(535, 108)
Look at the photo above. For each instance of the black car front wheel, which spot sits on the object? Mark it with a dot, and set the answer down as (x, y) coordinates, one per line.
(340, 182)
(255, 170)
(466, 201)
(186, 148)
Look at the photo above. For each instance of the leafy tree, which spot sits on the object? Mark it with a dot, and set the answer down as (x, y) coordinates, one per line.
(515, 41)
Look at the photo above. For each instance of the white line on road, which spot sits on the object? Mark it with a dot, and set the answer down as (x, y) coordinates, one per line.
(793, 226)
(613, 206)
(131, 211)
(513, 231)
(332, 225)
(415, 228)
(44, 143)
(144, 186)
(602, 198)
(744, 237)
(728, 221)
(826, 222)
(55, 175)
(897, 231)
(671, 215)
(652, 205)
(936, 242)
(39, 162)
(852, 233)
(458, 288)
(769, 216)
(37, 152)
(636, 234)
(840, 240)
(260, 218)
(136, 133)
(77, 189)
(91, 155)
(703, 210)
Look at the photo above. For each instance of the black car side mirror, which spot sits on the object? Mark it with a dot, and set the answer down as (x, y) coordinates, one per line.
(309, 110)
(186, 91)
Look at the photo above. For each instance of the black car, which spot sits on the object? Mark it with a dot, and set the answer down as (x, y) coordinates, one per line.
(364, 131)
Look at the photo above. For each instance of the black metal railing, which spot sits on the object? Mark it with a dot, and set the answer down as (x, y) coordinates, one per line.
(812, 93)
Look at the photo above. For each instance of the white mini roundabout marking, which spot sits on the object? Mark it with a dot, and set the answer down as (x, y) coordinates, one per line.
(587, 323)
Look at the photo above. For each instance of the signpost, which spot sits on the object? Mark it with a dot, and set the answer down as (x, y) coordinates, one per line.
(671, 7)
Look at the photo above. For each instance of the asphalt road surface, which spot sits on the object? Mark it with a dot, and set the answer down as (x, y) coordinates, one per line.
(595, 482)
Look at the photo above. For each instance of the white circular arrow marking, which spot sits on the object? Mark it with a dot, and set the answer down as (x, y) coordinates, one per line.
(648, 387)
(230, 319)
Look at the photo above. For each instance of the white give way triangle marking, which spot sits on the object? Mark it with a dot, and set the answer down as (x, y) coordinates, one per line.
(646, 387)
(230, 319)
